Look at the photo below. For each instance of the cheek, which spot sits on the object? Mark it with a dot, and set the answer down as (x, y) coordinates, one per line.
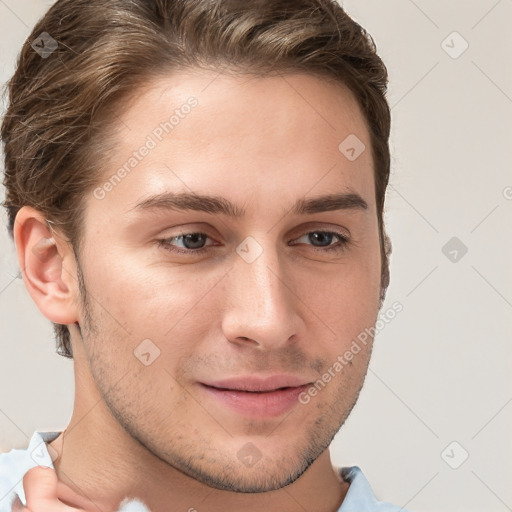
(144, 294)
(346, 300)
(163, 304)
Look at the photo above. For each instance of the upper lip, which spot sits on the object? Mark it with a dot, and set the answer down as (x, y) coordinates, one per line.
(253, 383)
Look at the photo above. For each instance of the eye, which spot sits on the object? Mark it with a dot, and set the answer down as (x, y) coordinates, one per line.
(324, 239)
(193, 243)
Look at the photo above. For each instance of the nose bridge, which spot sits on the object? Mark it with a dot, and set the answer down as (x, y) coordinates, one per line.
(260, 269)
(262, 306)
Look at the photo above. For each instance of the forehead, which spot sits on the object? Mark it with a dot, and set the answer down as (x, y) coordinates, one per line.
(240, 136)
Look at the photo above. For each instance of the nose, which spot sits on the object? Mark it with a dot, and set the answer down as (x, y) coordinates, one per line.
(262, 304)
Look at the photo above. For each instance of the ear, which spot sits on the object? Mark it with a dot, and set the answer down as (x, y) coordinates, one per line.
(48, 266)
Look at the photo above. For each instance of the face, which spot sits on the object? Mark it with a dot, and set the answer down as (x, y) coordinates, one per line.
(223, 315)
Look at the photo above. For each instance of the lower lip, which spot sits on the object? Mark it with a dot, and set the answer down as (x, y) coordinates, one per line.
(262, 404)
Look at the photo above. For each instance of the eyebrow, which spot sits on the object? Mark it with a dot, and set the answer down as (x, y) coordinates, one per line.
(220, 205)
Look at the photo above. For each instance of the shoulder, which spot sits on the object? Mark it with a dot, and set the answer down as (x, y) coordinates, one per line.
(360, 496)
(15, 463)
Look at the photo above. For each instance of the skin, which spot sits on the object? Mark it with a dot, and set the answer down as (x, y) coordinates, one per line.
(43, 491)
(153, 432)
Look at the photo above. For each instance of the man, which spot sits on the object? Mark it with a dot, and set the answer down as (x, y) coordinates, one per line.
(195, 190)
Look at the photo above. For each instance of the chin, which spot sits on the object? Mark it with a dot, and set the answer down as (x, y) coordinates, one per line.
(246, 469)
(264, 476)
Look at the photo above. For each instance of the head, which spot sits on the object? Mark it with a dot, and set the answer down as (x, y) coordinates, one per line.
(264, 107)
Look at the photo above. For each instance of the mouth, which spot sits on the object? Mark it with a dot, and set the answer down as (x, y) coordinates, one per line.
(256, 397)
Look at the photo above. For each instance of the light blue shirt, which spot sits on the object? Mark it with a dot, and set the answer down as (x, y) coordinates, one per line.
(14, 465)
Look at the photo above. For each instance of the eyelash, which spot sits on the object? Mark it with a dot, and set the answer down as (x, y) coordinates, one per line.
(164, 242)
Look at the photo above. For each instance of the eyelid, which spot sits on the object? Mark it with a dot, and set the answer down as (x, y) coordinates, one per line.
(296, 232)
(343, 241)
(321, 226)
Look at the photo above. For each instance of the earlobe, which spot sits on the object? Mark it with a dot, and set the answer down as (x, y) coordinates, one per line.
(47, 265)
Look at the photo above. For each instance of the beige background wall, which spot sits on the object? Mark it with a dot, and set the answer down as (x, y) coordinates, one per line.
(441, 370)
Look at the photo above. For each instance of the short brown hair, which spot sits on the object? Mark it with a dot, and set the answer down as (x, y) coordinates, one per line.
(59, 106)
